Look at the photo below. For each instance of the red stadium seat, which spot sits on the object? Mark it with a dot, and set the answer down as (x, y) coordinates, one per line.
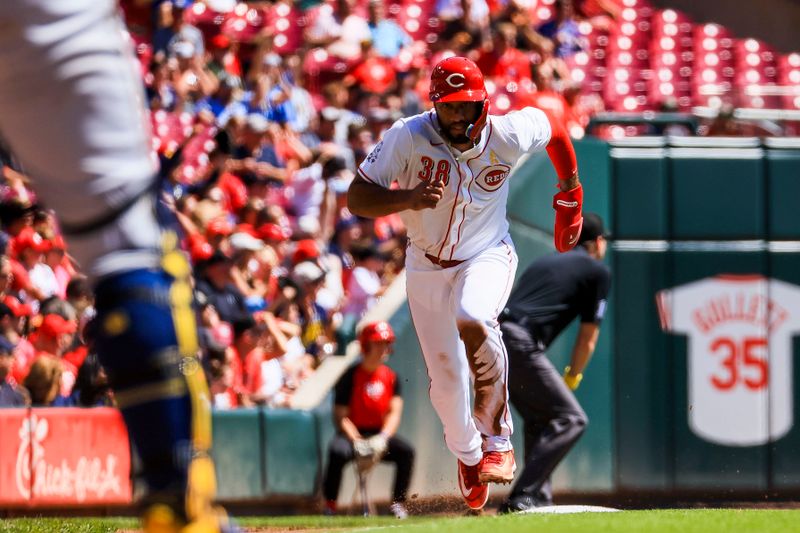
(205, 19)
(244, 23)
(671, 23)
(170, 130)
(419, 20)
(789, 79)
(287, 23)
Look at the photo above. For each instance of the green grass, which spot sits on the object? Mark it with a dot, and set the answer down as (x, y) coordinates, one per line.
(661, 521)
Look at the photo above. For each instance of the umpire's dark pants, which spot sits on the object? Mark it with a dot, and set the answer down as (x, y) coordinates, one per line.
(340, 452)
(553, 418)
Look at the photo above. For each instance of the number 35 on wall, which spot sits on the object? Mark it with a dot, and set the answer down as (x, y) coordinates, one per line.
(743, 363)
(739, 332)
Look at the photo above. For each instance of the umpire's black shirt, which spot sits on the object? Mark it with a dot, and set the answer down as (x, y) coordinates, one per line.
(555, 289)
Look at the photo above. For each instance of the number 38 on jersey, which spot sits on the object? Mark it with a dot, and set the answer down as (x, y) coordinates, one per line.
(438, 170)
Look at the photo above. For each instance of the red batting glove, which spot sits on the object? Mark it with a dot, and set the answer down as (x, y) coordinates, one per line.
(569, 221)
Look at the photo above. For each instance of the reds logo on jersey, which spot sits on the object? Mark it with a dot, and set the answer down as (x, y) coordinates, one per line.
(739, 332)
(491, 178)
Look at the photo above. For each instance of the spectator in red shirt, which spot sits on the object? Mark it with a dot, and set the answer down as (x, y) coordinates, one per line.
(504, 60)
(245, 342)
(52, 339)
(55, 258)
(368, 407)
(551, 101)
(31, 275)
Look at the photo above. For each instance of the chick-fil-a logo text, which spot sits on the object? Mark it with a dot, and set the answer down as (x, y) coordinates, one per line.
(75, 480)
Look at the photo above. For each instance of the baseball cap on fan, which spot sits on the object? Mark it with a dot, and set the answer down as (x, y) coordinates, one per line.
(592, 228)
(257, 123)
(306, 273)
(28, 238)
(54, 325)
(183, 49)
(17, 308)
(245, 241)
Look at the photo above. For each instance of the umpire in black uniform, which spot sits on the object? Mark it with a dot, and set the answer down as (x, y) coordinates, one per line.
(550, 294)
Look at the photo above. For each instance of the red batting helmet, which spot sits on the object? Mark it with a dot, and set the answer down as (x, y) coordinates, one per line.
(457, 79)
(375, 332)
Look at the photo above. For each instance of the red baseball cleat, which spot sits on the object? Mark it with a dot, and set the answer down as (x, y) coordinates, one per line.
(475, 492)
(497, 467)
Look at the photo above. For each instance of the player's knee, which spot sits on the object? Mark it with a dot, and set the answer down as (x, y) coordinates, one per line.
(473, 333)
(404, 449)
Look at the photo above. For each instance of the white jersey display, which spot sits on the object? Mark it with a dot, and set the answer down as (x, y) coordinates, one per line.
(471, 215)
(740, 332)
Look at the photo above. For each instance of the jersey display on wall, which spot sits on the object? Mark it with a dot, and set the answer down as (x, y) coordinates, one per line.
(739, 331)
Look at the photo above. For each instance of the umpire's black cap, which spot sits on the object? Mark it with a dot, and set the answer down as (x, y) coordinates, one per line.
(592, 228)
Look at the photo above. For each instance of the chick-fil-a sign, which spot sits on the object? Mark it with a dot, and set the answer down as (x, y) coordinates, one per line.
(65, 457)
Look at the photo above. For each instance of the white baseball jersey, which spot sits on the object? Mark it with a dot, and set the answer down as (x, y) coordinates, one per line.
(740, 355)
(471, 216)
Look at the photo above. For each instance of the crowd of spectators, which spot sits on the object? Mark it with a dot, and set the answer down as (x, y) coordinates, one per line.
(259, 140)
(261, 112)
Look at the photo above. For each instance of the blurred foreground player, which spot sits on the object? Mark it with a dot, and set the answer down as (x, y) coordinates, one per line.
(71, 111)
(551, 293)
(367, 412)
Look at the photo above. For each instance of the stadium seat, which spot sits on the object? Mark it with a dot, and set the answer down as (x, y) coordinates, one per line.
(419, 20)
(789, 79)
(244, 23)
(205, 19)
(287, 23)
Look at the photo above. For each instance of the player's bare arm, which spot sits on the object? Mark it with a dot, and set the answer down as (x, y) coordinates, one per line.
(370, 200)
(582, 351)
(341, 416)
(392, 421)
(570, 183)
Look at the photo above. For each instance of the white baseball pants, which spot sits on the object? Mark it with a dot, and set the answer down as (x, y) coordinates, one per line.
(438, 298)
(71, 109)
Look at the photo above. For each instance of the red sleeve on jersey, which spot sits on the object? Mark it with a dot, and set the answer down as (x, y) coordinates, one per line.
(560, 150)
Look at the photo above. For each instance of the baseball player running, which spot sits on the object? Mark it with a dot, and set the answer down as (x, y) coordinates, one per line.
(451, 167)
(71, 110)
(551, 293)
